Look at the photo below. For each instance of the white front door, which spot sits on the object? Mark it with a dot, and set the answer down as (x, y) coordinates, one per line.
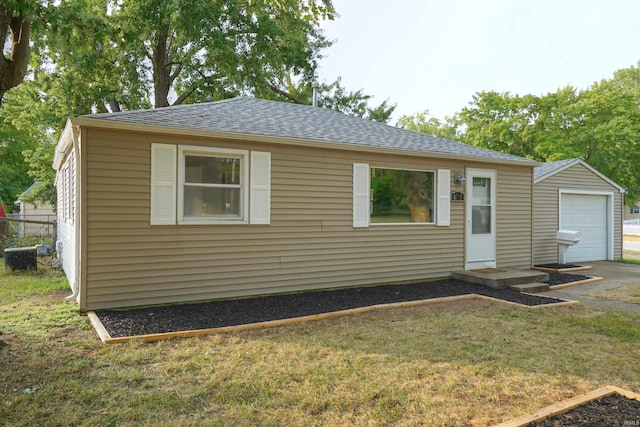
(480, 224)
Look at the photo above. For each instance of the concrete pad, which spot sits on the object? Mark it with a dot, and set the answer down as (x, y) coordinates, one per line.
(614, 274)
(531, 288)
(502, 278)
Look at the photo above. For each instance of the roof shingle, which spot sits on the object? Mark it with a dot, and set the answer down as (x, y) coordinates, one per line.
(251, 116)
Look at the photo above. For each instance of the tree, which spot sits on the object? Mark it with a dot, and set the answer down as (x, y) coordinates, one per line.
(15, 24)
(336, 97)
(132, 53)
(13, 168)
(423, 123)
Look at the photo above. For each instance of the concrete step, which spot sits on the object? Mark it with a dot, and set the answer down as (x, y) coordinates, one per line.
(531, 288)
(500, 277)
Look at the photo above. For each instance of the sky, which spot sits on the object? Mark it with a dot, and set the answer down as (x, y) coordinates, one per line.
(436, 54)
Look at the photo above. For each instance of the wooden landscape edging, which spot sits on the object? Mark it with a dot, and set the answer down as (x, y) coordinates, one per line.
(563, 270)
(576, 283)
(106, 338)
(567, 405)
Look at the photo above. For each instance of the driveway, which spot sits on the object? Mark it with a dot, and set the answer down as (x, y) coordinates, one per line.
(615, 275)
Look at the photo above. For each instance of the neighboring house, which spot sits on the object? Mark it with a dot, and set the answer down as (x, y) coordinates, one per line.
(29, 211)
(632, 212)
(572, 195)
(248, 197)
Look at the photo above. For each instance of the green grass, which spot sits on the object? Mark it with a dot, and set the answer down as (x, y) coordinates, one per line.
(451, 364)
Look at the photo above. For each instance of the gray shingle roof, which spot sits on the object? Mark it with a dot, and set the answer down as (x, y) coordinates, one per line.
(251, 116)
(545, 169)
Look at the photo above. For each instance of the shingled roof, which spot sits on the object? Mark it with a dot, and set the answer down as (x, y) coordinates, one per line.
(251, 116)
(550, 168)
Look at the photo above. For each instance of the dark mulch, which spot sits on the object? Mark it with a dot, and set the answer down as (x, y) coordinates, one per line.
(562, 278)
(614, 410)
(558, 266)
(215, 314)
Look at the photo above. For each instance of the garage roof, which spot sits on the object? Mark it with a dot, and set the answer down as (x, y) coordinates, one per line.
(549, 169)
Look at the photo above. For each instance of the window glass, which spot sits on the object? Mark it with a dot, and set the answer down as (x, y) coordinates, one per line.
(481, 206)
(212, 170)
(212, 186)
(401, 196)
(203, 201)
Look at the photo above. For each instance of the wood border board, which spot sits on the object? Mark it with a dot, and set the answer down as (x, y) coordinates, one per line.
(106, 338)
(576, 283)
(567, 405)
(563, 270)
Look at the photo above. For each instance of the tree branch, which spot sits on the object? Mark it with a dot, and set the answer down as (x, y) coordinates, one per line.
(286, 95)
(14, 68)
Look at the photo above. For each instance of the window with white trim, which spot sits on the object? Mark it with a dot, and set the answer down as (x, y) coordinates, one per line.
(212, 185)
(400, 196)
(202, 185)
(635, 210)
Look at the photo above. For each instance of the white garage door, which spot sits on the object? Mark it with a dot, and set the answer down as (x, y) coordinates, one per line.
(587, 214)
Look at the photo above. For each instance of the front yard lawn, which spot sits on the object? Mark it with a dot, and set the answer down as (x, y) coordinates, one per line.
(474, 363)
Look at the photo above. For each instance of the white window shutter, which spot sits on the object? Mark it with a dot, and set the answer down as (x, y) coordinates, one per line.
(163, 184)
(260, 195)
(444, 198)
(361, 192)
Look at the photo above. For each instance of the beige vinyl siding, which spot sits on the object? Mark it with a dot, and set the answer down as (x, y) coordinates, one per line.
(546, 210)
(309, 244)
(514, 218)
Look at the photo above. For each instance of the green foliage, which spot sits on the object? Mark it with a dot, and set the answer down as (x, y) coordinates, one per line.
(421, 122)
(336, 97)
(600, 124)
(14, 177)
(111, 55)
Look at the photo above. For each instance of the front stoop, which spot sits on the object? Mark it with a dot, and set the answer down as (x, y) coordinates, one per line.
(503, 278)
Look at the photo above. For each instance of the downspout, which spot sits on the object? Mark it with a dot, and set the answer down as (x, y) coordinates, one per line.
(75, 286)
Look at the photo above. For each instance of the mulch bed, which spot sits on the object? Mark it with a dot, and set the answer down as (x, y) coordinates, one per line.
(558, 266)
(614, 410)
(221, 313)
(562, 278)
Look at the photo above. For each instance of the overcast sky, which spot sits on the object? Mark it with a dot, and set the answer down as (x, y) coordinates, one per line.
(434, 55)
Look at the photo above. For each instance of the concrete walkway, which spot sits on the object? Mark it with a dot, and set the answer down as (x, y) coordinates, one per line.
(615, 275)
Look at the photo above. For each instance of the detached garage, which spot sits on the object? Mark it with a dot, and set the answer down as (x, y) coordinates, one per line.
(571, 195)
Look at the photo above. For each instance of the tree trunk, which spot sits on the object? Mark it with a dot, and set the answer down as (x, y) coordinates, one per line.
(14, 68)
(417, 200)
(161, 68)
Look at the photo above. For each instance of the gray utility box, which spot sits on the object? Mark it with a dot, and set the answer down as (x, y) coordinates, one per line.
(21, 258)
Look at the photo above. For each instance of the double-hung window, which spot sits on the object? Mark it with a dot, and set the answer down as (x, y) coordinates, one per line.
(203, 185)
(212, 185)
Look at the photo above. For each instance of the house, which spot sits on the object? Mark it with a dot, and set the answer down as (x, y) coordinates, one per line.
(250, 197)
(29, 211)
(632, 213)
(570, 194)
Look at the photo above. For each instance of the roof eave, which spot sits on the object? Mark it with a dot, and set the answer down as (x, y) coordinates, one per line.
(588, 166)
(140, 127)
(62, 147)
